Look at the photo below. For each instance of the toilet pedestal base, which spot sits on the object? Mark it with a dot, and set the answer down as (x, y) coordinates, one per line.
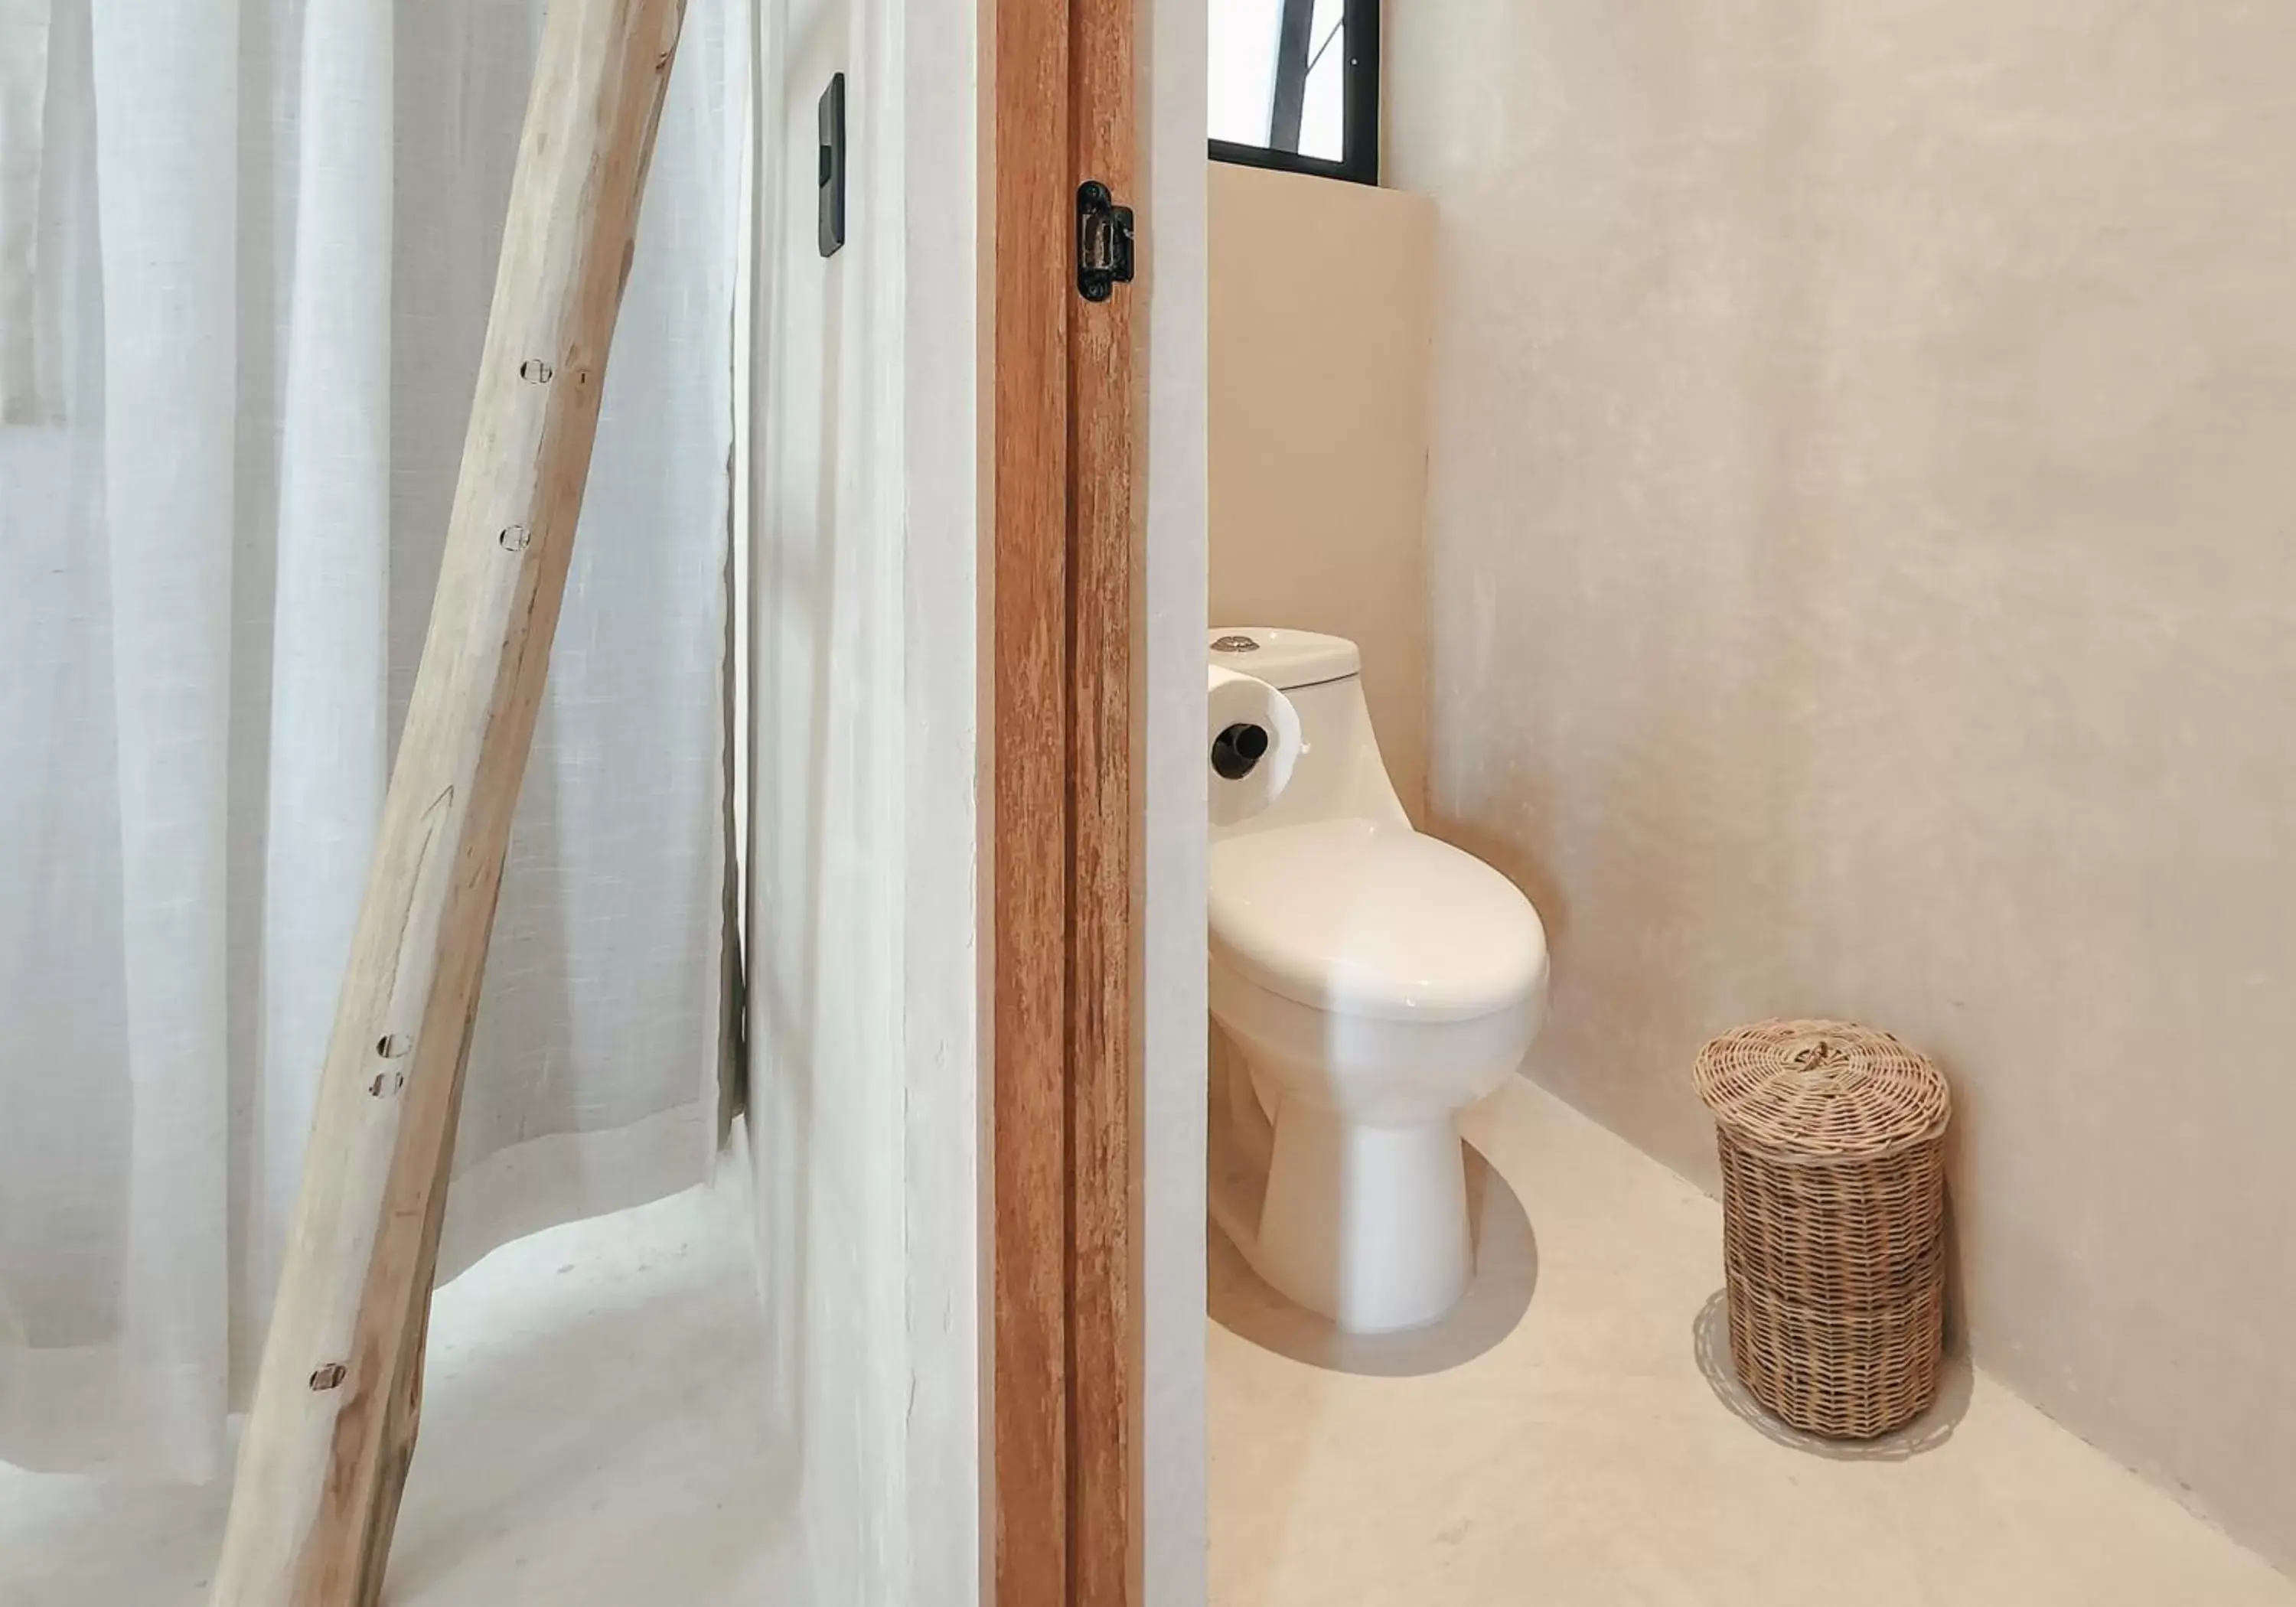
(1367, 1224)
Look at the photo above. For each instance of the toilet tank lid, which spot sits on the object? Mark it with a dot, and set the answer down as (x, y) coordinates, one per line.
(1283, 659)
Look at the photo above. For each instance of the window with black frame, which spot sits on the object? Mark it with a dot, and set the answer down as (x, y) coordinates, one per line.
(1294, 84)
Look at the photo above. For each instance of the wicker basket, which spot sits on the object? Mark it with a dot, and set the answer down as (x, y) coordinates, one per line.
(1831, 1140)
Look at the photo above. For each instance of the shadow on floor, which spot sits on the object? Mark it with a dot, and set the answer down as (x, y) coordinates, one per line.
(1711, 1337)
(1506, 1271)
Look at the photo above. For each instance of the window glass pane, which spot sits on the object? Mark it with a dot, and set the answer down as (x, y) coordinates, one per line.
(1284, 78)
(1323, 126)
(1243, 87)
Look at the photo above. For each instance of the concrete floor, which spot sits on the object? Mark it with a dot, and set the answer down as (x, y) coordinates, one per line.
(1600, 1456)
(595, 1412)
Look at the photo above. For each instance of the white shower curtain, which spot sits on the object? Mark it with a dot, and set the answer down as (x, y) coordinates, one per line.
(246, 251)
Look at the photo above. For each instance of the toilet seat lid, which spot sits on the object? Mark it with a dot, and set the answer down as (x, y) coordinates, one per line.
(1362, 917)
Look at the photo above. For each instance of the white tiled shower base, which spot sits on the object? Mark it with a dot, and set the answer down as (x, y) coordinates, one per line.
(594, 1435)
(1595, 1456)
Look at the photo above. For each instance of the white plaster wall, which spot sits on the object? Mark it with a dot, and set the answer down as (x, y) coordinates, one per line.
(1863, 584)
(864, 1021)
(1171, 51)
(944, 1060)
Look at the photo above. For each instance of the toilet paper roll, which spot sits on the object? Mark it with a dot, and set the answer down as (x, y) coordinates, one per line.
(1254, 741)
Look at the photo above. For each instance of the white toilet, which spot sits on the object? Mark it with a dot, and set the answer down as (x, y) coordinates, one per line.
(1377, 981)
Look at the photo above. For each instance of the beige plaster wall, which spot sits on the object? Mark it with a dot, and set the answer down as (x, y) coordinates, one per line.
(1862, 564)
(1318, 468)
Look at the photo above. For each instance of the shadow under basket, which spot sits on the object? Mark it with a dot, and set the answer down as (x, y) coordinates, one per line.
(1832, 1143)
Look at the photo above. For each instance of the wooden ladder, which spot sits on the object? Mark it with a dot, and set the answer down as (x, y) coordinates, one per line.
(339, 1395)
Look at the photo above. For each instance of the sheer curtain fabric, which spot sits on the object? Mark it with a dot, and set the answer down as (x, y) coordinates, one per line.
(246, 252)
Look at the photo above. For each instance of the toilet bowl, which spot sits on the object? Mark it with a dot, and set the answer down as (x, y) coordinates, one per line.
(1376, 982)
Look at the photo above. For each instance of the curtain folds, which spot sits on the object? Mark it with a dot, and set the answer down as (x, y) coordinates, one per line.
(246, 252)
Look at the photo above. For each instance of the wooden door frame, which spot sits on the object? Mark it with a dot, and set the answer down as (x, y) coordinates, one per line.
(1066, 809)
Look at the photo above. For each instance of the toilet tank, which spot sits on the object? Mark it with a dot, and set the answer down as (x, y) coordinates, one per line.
(1340, 775)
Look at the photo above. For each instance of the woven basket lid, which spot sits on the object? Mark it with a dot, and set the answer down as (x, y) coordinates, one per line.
(1821, 1089)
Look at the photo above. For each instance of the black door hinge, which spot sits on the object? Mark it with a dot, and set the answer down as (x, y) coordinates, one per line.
(1104, 242)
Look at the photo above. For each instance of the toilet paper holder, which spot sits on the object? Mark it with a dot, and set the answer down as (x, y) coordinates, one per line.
(1238, 750)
